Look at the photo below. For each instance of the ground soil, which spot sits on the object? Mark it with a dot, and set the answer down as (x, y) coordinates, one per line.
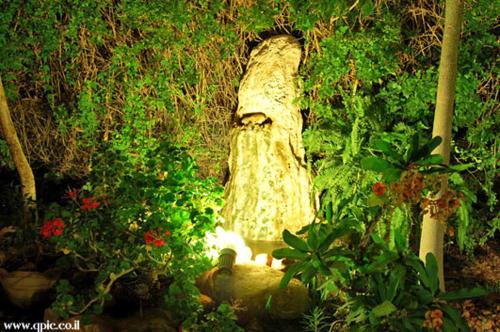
(481, 269)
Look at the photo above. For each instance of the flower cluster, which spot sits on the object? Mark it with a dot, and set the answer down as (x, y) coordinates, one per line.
(156, 238)
(434, 320)
(409, 187)
(443, 207)
(52, 227)
(89, 203)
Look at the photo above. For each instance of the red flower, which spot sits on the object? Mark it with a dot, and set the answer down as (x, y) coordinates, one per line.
(155, 238)
(159, 242)
(148, 237)
(72, 194)
(52, 227)
(89, 203)
(57, 222)
(378, 188)
(46, 229)
(57, 231)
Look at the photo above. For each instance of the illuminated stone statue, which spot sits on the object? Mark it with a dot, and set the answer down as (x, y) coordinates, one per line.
(268, 188)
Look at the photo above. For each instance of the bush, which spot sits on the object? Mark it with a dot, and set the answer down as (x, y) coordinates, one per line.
(135, 216)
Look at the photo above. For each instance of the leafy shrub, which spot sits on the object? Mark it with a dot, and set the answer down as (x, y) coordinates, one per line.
(222, 319)
(135, 216)
(383, 284)
(395, 291)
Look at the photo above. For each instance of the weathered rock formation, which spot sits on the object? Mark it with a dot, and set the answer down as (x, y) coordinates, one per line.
(248, 289)
(268, 188)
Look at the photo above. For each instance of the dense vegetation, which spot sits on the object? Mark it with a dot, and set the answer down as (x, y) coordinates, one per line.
(120, 95)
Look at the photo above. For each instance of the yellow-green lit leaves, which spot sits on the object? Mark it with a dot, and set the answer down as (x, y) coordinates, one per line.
(315, 258)
(294, 241)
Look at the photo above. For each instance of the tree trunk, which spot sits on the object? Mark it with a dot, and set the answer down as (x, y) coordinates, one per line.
(28, 189)
(432, 230)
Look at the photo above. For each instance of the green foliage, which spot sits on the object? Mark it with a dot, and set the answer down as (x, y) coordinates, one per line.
(396, 291)
(222, 319)
(316, 321)
(384, 288)
(113, 77)
(125, 72)
(146, 215)
(316, 259)
(5, 159)
(383, 89)
(383, 284)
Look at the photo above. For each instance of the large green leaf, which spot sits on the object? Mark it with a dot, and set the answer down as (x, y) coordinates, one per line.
(461, 167)
(433, 159)
(396, 278)
(293, 270)
(375, 164)
(462, 294)
(289, 253)
(411, 153)
(384, 309)
(309, 272)
(428, 147)
(329, 212)
(391, 174)
(313, 237)
(456, 317)
(418, 266)
(423, 295)
(294, 241)
(323, 269)
(386, 148)
(431, 267)
(327, 241)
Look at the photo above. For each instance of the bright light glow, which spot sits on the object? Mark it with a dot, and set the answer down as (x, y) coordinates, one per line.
(277, 264)
(223, 239)
(261, 259)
